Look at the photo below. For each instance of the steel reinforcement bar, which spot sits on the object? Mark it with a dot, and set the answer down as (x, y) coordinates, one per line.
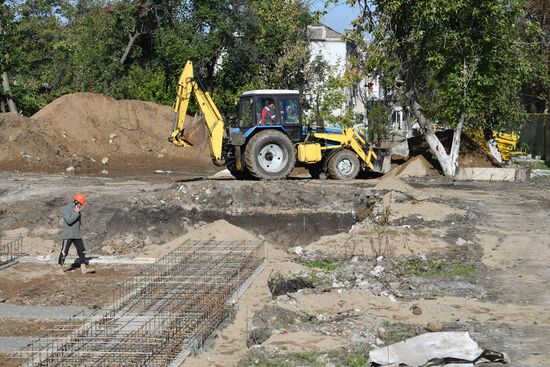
(10, 249)
(172, 306)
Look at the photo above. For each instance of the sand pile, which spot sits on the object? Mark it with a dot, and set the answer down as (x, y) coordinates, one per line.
(415, 167)
(392, 183)
(219, 230)
(81, 129)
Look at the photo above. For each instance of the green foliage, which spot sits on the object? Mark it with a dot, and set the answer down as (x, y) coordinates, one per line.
(540, 165)
(379, 123)
(327, 89)
(55, 47)
(148, 84)
(398, 331)
(421, 267)
(462, 58)
(325, 264)
(356, 361)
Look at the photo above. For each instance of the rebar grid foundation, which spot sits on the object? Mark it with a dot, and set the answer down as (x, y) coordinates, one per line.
(10, 249)
(172, 306)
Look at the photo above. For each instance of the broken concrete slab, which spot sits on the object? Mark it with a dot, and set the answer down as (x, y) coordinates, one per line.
(520, 174)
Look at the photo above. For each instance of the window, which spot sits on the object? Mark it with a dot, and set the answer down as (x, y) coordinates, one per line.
(245, 112)
(290, 111)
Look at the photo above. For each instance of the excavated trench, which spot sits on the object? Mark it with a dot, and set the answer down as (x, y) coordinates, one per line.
(160, 225)
(286, 213)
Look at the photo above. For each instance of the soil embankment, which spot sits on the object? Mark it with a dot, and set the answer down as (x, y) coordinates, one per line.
(94, 133)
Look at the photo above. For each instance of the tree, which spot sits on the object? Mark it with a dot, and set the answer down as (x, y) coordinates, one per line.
(536, 93)
(6, 56)
(325, 91)
(458, 63)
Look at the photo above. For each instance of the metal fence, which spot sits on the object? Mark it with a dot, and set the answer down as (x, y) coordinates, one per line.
(535, 136)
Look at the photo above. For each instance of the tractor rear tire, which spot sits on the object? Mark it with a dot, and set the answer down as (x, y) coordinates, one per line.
(344, 165)
(269, 155)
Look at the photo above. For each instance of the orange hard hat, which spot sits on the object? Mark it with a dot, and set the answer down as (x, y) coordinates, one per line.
(80, 198)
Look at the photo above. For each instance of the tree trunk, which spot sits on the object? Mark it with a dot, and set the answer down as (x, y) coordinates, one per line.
(131, 39)
(448, 162)
(7, 89)
(2, 105)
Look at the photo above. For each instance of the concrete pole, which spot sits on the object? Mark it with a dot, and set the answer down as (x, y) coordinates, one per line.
(7, 91)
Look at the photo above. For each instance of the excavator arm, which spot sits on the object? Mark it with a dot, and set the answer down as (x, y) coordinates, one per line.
(187, 85)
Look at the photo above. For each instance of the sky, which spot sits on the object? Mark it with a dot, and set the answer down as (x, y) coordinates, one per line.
(338, 17)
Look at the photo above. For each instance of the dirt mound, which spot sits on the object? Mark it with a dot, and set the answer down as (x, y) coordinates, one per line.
(415, 167)
(392, 183)
(24, 144)
(470, 155)
(81, 129)
(219, 230)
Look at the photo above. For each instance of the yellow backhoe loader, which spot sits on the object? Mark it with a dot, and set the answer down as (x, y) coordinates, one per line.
(269, 139)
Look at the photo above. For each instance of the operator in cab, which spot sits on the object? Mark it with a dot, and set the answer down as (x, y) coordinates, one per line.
(269, 115)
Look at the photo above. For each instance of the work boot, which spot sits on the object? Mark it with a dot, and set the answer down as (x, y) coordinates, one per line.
(61, 270)
(86, 269)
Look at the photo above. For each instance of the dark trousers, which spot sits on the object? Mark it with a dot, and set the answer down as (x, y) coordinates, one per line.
(80, 250)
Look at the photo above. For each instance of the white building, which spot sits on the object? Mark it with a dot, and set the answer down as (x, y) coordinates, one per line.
(329, 44)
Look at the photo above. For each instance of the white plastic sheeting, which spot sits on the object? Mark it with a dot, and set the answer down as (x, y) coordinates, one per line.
(433, 349)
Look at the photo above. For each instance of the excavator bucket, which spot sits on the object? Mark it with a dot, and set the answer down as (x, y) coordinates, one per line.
(195, 131)
(193, 134)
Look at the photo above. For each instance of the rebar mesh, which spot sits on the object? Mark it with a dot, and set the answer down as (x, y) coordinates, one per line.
(172, 306)
(10, 249)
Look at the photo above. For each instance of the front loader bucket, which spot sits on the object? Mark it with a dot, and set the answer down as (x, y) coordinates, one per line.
(382, 164)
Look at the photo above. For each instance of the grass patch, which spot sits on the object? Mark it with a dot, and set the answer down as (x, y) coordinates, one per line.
(397, 332)
(326, 265)
(356, 361)
(433, 267)
(540, 165)
(356, 357)
(306, 357)
(286, 360)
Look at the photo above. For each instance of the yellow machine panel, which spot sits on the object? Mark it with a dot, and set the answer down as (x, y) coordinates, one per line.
(309, 152)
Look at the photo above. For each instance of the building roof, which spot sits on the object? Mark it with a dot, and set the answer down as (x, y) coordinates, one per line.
(322, 32)
(269, 91)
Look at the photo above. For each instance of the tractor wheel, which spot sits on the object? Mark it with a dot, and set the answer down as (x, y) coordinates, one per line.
(269, 155)
(344, 165)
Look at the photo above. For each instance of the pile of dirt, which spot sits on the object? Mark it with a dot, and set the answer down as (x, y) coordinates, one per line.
(391, 183)
(219, 230)
(82, 129)
(25, 145)
(415, 167)
(470, 154)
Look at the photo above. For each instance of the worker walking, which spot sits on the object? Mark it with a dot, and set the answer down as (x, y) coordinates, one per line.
(71, 234)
